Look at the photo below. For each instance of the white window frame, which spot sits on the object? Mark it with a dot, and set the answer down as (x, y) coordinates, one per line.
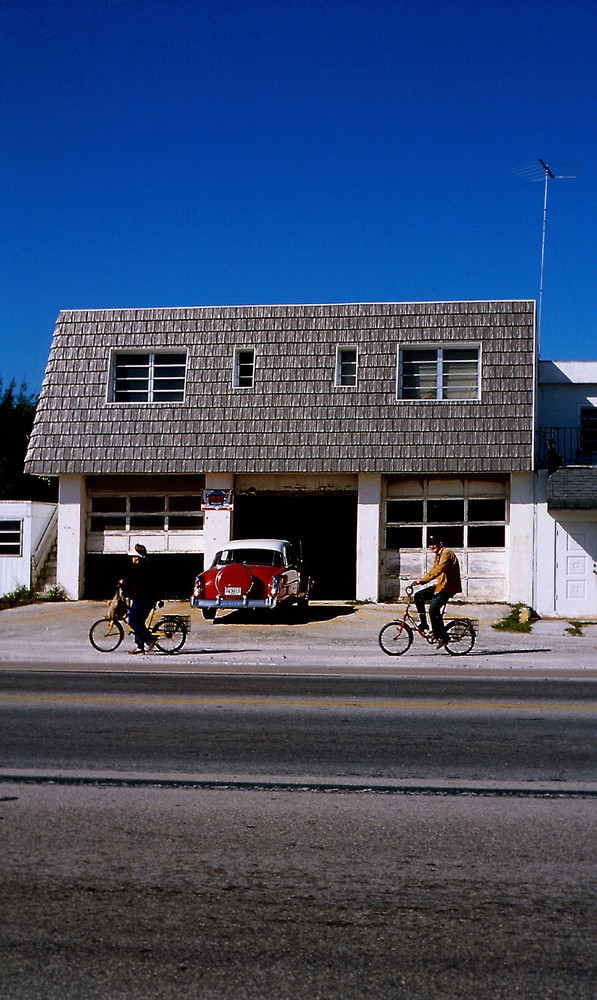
(125, 510)
(406, 348)
(152, 355)
(471, 493)
(11, 531)
(236, 367)
(340, 350)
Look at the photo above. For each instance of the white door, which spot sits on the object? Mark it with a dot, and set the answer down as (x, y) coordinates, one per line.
(576, 569)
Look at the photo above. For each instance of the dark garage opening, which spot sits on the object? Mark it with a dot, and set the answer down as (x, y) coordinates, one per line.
(174, 572)
(325, 525)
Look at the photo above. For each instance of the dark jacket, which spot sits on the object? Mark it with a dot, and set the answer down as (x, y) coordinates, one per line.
(138, 584)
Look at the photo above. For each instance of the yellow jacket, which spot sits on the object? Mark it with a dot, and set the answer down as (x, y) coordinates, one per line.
(445, 571)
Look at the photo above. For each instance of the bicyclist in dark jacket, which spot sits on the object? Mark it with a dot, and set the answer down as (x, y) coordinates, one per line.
(139, 585)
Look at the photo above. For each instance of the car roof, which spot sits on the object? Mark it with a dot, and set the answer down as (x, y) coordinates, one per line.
(275, 544)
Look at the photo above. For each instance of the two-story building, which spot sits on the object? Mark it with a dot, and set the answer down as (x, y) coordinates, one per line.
(354, 428)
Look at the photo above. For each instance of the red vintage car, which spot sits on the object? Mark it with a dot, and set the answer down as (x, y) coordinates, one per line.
(252, 573)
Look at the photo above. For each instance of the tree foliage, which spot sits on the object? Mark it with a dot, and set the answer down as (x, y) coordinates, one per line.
(17, 410)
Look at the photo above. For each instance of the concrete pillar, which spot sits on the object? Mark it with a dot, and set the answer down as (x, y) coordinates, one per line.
(217, 524)
(522, 552)
(368, 540)
(545, 587)
(72, 510)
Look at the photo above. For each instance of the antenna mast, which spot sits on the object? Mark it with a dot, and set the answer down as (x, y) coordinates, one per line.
(548, 174)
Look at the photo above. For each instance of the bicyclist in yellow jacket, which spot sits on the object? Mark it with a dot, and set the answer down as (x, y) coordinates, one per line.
(446, 573)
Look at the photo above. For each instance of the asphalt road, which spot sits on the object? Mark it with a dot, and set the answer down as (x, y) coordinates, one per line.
(271, 834)
(450, 731)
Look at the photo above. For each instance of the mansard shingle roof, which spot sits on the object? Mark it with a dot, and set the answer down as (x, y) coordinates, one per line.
(295, 419)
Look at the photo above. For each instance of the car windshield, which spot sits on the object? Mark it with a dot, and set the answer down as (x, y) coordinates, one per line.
(261, 557)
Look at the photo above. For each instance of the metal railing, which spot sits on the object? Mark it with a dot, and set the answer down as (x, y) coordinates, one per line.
(558, 446)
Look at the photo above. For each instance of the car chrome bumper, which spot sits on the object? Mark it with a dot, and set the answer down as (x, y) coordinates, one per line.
(233, 602)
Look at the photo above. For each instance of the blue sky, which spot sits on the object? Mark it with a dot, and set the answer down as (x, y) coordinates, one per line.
(199, 152)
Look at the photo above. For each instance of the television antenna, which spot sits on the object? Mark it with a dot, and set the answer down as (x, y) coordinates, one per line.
(532, 172)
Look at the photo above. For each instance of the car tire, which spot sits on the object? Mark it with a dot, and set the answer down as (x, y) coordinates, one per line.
(209, 613)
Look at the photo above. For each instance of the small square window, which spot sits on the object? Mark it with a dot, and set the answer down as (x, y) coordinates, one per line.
(244, 368)
(346, 366)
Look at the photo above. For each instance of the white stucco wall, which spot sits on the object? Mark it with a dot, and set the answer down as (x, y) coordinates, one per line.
(368, 536)
(217, 524)
(565, 387)
(15, 571)
(72, 510)
(521, 548)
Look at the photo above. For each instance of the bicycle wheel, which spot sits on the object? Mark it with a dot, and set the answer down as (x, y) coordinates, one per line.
(106, 635)
(461, 637)
(395, 638)
(171, 634)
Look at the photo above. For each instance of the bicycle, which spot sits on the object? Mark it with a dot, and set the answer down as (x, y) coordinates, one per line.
(396, 637)
(170, 631)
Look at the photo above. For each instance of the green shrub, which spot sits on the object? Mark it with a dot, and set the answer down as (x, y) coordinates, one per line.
(23, 595)
(512, 622)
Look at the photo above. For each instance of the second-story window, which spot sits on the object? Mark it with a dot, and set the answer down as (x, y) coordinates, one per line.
(244, 368)
(439, 373)
(148, 378)
(346, 366)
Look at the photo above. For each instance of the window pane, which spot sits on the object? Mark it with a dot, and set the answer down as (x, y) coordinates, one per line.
(108, 504)
(184, 503)
(185, 522)
(10, 538)
(404, 538)
(147, 521)
(451, 535)
(487, 536)
(347, 366)
(419, 374)
(487, 510)
(107, 522)
(9, 526)
(131, 378)
(244, 369)
(460, 373)
(148, 504)
(444, 511)
(405, 510)
(168, 377)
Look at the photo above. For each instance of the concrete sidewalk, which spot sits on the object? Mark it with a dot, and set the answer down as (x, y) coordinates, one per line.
(336, 636)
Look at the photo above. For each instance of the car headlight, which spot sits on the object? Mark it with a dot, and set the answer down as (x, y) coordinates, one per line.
(274, 586)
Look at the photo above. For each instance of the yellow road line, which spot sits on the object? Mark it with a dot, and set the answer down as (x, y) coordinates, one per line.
(273, 702)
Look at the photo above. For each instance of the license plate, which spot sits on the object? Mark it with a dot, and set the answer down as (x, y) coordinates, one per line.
(232, 592)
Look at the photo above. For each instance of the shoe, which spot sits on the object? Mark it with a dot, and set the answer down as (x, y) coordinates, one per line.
(440, 643)
(151, 646)
(424, 627)
(138, 651)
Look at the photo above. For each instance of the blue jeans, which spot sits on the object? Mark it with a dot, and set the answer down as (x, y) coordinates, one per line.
(137, 615)
(436, 607)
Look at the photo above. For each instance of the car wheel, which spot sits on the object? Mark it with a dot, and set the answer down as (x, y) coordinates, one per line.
(209, 613)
